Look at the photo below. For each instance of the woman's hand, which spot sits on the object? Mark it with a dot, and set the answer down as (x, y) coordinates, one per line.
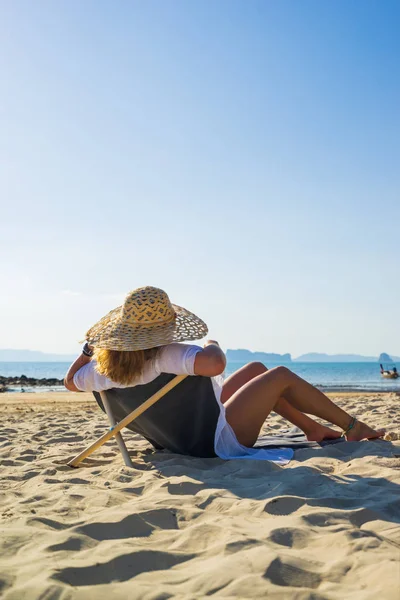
(208, 342)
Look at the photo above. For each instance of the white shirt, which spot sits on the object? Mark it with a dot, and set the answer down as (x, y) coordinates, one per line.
(179, 359)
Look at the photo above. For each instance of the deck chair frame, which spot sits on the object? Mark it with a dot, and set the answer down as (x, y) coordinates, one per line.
(115, 428)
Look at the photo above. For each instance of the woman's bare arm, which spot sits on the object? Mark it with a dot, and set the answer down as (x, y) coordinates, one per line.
(74, 368)
(210, 361)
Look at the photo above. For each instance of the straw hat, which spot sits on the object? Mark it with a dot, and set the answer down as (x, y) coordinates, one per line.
(145, 320)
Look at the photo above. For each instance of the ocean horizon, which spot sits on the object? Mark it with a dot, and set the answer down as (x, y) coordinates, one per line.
(357, 376)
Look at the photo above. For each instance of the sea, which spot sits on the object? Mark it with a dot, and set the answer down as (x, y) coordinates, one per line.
(340, 376)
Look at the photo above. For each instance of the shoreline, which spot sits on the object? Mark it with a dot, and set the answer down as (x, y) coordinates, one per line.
(60, 389)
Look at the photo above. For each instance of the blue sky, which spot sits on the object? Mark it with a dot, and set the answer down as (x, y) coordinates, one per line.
(242, 155)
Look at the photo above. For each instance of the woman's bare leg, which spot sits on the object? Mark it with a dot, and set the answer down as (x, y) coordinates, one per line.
(237, 380)
(313, 430)
(249, 406)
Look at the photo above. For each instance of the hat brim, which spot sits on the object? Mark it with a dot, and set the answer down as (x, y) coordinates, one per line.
(112, 333)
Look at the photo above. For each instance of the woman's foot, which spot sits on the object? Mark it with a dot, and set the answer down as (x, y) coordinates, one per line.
(361, 431)
(320, 432)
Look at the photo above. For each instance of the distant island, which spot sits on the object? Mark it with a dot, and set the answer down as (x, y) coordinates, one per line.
(241, 355)
(320, 357)
(249, 356)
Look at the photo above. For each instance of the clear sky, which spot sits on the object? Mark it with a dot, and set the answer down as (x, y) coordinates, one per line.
(242, 155)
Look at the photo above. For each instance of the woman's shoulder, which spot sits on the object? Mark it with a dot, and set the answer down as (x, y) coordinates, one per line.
(177, 350)
(177, 347)
(176, 358)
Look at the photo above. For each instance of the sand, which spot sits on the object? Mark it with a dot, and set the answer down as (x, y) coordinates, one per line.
(324, 527)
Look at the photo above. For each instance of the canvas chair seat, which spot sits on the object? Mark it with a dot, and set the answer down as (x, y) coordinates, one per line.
(184, 421)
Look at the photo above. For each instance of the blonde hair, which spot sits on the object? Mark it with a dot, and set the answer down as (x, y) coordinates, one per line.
(122, 366)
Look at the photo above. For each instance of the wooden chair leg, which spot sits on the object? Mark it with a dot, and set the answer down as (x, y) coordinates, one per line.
(118, 436)
(126, 420)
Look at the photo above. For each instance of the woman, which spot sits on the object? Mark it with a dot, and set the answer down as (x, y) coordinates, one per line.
(135, 344)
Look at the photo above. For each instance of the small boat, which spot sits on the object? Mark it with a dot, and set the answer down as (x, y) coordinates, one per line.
(388, 367)
(390, 374)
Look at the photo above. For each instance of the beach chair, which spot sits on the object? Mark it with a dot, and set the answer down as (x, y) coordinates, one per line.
(178, 423)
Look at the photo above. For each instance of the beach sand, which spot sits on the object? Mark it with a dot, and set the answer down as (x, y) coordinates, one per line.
(324, 527)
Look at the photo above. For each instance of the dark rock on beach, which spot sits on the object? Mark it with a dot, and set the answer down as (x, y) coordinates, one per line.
(24, 381)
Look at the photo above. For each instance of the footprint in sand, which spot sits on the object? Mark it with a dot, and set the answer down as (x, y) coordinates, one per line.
(121, 568)
(286, 505)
